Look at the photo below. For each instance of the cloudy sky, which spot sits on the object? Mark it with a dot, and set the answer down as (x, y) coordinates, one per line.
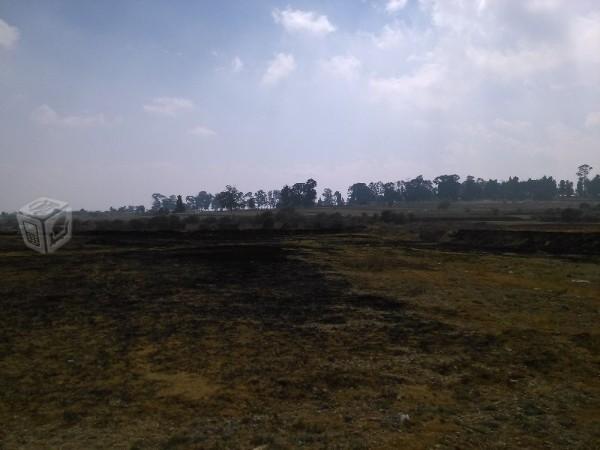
(105, 102)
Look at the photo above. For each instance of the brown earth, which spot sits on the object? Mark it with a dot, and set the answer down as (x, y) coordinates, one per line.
(242, 340)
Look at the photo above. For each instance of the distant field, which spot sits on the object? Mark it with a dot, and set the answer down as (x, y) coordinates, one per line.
(429, 208)
(410, 336)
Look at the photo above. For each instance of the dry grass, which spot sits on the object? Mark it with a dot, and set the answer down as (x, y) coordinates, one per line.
(322, 341)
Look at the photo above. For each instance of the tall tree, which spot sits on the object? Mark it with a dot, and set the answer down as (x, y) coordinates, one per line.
(157, 200)
(418, 189)
(360, 194)
(328, 199)
(492, 190)
(230, 198)
(448, 187)
(299, 195)
(179, 206)
(471, 189)
(391, 194)
(191, 203)
(274, 198)
(593, 188)
(565, 188)
(583, 173)
(249, 200)
(261, 198)
(204, 200)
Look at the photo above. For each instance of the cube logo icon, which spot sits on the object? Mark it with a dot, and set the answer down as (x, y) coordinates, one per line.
(45, 224)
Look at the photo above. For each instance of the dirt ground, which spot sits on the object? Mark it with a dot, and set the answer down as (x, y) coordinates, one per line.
(371, 340)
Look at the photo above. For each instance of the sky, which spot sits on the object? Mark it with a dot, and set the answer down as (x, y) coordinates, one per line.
(104, 103)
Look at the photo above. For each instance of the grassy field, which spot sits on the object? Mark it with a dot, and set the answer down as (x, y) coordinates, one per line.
(382, 338)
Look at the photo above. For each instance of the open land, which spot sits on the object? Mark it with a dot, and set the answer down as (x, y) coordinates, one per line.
(448, 334)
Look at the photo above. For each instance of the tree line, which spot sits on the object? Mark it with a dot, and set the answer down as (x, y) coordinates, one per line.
(444, 188)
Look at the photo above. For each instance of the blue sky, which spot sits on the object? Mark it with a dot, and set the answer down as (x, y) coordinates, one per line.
(104, 103)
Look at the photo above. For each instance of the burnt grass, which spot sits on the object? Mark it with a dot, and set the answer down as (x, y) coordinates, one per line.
(294, 339)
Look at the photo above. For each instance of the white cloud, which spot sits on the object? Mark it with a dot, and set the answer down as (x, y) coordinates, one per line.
(45, 115)
(520, 63)
(423, 88)
(202, 131)
(294, 20)
(512, 127)
(593, 120)
(345, 67)
(279, 68)
(585, 37)
(543, 6)
(237, 65)
(9, 35)
(390, 37)
(393, 6)
(168, 106)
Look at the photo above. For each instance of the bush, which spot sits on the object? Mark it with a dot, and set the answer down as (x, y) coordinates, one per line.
(191, 220)
(325, 221)
(136, 224)
(388, 216)
(289, 218)
(571, 215)
(265, 220)
(585, 206)
(445, 204)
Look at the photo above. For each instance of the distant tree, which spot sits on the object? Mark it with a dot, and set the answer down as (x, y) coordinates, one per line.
(157, 200)
(391, 193)
(261, 199)
(300, 195)
(418, 189)
(179, 206)
(360, 194)
(328, 199)
(583, 173)
(492, 190)
(204, 200)
(448, 187)
(169, 203)
(544, 188)
(471, 188)
(377, 189)
(191, 203)
(249, 200)
(286, 199)
(230, 198)
(273, 198)
(565, 188)
(309, 193)
(215, 203)
(594, 187)
(339, 200)
(511, 189)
